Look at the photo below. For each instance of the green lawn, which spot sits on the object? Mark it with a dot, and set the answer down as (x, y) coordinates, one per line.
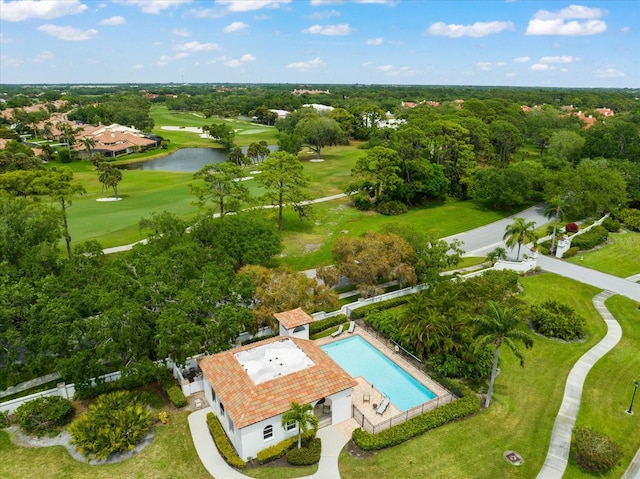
(619, 258)
(521, 415)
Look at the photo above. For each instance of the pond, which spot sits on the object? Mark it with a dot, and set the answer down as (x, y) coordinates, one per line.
(186, 160)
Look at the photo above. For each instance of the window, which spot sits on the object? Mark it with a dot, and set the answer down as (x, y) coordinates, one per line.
(221, 407)
(230, 425)
(298, 329)
(267, 433)
(290, 426)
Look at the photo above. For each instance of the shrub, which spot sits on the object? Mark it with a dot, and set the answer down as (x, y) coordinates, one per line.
(305, 456)
(611, 225)
(4, 419)
(362, 201)
(222, 442)
(465, 406)
(116, 422)
(390, 303)
(324, 324)
(571, 252)
(276, 451)
(391, 208)
(571, 228)
(176, 396)
(257, 339)
(557, 320)
(593, 451)
(592, 238)
(44, 415)
(630, 218)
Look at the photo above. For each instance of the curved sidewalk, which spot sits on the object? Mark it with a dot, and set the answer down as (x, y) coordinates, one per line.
(558, 453)
(332, 443)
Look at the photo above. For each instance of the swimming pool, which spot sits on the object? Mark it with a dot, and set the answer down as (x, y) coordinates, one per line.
(359, 358)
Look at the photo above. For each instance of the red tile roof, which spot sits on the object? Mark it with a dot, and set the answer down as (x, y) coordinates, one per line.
(293, 318)
(248, 403)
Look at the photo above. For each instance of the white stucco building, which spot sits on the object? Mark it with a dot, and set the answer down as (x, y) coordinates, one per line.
(249, 388)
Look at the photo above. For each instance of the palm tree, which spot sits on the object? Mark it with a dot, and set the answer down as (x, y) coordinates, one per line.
(555, 210)
(303, 416)
(498, 253)
(88, 143)
(518, 232)
(499, 327)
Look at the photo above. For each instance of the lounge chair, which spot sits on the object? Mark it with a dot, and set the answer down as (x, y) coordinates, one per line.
(352, 326)
(383, 406)
(338, 331)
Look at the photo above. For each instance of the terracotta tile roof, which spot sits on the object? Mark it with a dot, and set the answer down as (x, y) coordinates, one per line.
(248, 403)
(293, 318)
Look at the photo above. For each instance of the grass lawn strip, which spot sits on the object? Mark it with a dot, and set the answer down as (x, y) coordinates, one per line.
(619, 258)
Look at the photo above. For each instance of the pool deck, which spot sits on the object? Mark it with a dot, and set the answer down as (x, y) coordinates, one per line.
(375, 397)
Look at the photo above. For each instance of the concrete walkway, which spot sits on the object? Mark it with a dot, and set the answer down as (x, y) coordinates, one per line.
(332, 443)
(558, 453)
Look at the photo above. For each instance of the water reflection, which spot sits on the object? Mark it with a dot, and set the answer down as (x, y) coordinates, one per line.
(186, 160)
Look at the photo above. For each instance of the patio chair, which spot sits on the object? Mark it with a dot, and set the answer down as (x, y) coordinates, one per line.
(366, 397)
(352, 327)
(383, 406)
(338, 331)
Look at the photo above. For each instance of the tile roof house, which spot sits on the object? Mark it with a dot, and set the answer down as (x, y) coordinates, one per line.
(115, 140)
(249, 388)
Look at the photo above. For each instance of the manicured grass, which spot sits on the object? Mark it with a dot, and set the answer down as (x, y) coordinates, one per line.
(520, 418)
(619, 258)
(171, 455)
(281, 472)
(608, 389)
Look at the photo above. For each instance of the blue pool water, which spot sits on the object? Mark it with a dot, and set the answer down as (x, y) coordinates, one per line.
(359, 358)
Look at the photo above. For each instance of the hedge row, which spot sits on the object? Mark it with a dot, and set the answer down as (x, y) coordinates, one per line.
(324, 324)
(465, 406)
(226, 449)
(305, 456)
(388, 304)
(592, 238)
(176, 396)
(276, 451)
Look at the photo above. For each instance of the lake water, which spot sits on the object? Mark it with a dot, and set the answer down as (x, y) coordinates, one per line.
(186, 160)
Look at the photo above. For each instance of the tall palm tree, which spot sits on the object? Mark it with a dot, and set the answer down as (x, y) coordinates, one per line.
(518, 232)
(555, 209)
(303, 416)
(89, 143)
(500, 326)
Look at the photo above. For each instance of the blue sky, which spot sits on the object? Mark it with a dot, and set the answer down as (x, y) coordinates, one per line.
(473, 42)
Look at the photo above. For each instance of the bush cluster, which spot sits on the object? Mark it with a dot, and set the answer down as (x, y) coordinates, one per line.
(571, 252)
(557, 320)
(630, 218)
(390, 303)
(465, 406)
(4, 419)
(324, 324)
(362, 201)
(391, 208)
(222, 442)
(115, 422)
(176, 396)
(611, 225)
(276, 451)
(593, 451)
(571, 228)
(305, 456)
(44, 415)
(592, 238)
(257, 339)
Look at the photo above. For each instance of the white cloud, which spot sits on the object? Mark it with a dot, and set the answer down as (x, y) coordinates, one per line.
(322, 15)
(608, 73)
(233, 63)
(309, 66)
(196, 47)
(164, 59)
(393, 71)
(117, 20)
(386, 68)
(42, 57)
(522, 60)
(510, 74)
(582, 21)
(331, 30)
(138, 66)
(483, 66)
(317, 3)
(181, 32)
(559, 59)
(478, 29)
(625, 29)
(541, 67)
(153, 6)
(367, 64)
(235, 27)
(249, 5)
(18, 11)
(375, 41)
(247, 57)
(10, 61)
(68, 33)
(501, 64)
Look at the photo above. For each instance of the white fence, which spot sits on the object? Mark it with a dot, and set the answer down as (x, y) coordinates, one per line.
(564, 243)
